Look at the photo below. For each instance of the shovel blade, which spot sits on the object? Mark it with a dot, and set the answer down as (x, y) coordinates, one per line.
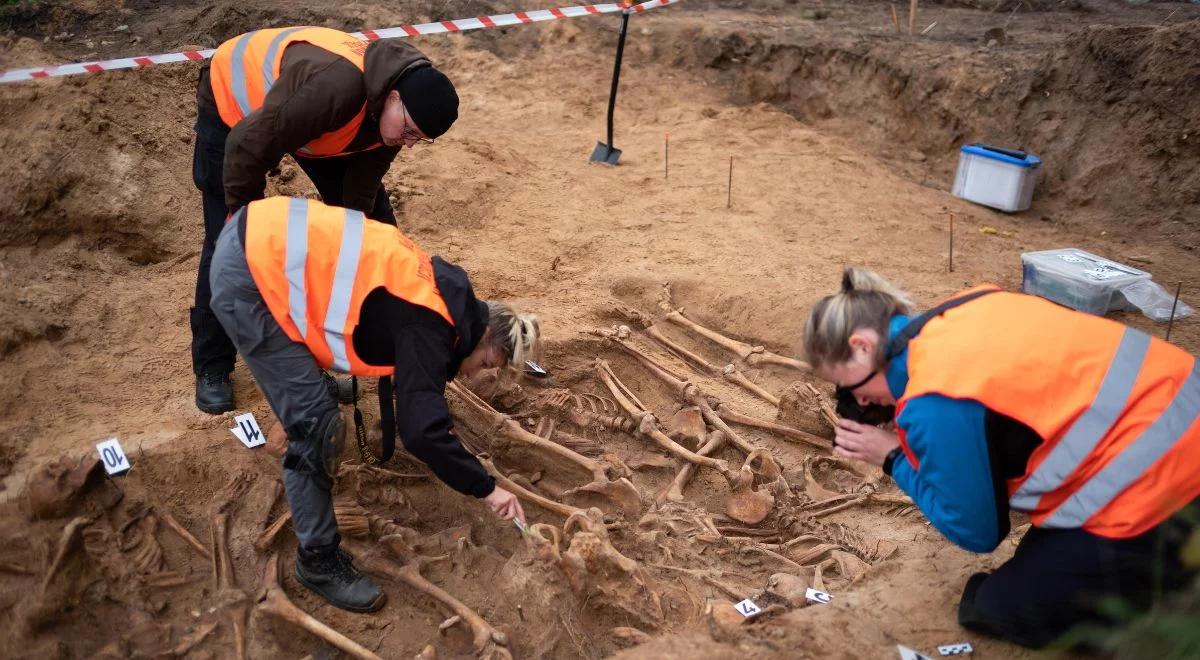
(605, 154)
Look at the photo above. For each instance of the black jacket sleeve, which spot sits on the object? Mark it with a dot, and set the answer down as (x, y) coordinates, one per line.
(364, 173)
(422, 416)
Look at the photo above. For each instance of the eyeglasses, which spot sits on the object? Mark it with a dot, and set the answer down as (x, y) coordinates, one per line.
(851, 388)
(410, 137)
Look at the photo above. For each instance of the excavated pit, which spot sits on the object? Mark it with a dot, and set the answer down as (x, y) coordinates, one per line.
(824, 114)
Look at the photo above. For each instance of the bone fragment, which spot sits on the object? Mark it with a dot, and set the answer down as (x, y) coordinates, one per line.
(66, 543)
(277, 490)
(827, 410)
(190, 641)
(274, 602)
(182, 532)
(730, 415)
(267, 538)
(731, 373)
(674, 492)
(753, 355)
(224, 575)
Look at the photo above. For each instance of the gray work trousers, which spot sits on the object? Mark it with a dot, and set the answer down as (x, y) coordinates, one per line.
(290, 378)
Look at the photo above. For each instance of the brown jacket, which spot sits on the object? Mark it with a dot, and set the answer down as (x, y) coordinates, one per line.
(316, 92)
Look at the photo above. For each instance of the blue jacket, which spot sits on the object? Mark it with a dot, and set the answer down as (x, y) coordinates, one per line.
(953, 486)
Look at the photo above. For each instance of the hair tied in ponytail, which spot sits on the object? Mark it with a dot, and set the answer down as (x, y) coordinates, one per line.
(847, 280)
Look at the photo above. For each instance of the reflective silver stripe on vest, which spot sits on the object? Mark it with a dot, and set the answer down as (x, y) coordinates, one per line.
(295, 261)
(343, 287)
(1134, 460)
(269, 60)
(1091, 425)
(237, 78)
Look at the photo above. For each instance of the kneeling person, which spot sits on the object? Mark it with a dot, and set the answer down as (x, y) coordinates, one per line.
(300, 286)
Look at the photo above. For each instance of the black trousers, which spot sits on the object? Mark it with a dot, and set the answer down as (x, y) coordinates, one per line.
(212, 351)
(1058, 578)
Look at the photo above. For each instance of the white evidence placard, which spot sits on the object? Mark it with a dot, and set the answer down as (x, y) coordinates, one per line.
(246, 429)
(113, 457)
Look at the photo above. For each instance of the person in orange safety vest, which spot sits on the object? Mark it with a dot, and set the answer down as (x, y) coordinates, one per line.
(1007, 402)
(302, 286)
(341, 106)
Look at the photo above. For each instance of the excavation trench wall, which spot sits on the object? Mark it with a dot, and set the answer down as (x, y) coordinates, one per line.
(1110, 109)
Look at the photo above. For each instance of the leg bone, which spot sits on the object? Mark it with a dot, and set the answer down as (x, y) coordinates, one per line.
(274, 601)
(753, 355)
(489, 643)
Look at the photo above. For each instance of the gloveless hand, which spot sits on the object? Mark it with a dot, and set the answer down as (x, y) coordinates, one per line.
(504, 504)
(863, 442)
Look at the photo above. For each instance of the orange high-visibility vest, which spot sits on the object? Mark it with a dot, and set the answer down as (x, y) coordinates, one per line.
(245, 67)
(315, 264)
(1118, 410)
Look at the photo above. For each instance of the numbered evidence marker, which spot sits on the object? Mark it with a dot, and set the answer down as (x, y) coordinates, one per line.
(113, 457)
(748, 608)
(246, 429)
(909, 654)
(962, 648)
(814, 596)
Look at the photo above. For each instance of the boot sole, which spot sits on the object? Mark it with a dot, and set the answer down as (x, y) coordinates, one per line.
(375, 605)
(215, 409)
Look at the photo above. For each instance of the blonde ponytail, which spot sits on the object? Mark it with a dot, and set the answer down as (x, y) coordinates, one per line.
(516, 334)
(865, 301)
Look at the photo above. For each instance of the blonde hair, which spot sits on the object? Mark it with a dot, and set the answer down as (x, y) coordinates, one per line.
(516, 334)
(865, 301)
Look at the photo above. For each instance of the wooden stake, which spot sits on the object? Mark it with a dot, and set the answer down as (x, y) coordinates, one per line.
(729, 197)
(951, 242)
(667, 155)
(1174, 305)
(912, 17)
(895, 18)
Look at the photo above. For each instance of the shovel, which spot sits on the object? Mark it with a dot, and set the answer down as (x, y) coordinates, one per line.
(606, 152)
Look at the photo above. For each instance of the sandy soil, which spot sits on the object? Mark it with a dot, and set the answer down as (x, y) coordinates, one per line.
(99, 243)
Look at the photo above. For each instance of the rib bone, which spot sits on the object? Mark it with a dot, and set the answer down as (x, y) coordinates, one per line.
(274, 601)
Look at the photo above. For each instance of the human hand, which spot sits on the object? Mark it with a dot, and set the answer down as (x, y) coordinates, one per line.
(504, 504)
(863, 442)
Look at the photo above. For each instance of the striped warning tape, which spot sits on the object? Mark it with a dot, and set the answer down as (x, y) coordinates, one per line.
(439, 27)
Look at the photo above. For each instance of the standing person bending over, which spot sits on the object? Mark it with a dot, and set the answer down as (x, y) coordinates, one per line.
(301, 286)
(341, 107)
(1007, 401)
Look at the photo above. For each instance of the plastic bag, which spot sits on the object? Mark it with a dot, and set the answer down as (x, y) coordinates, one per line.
(1154, 301)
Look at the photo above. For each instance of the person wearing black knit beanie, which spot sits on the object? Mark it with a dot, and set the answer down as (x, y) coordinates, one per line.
(341, 107)
(429, 99)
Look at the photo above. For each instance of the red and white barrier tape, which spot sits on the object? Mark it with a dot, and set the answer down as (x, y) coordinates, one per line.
(440, 27)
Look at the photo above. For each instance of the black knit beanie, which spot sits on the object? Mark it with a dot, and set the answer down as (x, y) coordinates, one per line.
(430, 99)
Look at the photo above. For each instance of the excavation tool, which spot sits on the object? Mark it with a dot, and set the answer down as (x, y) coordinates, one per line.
(606, 152)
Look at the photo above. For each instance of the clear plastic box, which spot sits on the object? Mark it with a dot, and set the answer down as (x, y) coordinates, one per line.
(997, 177)
(1080, 280)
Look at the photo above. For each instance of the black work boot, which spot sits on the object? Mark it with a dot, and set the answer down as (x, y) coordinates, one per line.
(341, 389)
(214, 393)
(330, 573)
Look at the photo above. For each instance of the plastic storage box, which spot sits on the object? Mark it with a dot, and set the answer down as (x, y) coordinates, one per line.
(996, 177)
(1080, 280)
